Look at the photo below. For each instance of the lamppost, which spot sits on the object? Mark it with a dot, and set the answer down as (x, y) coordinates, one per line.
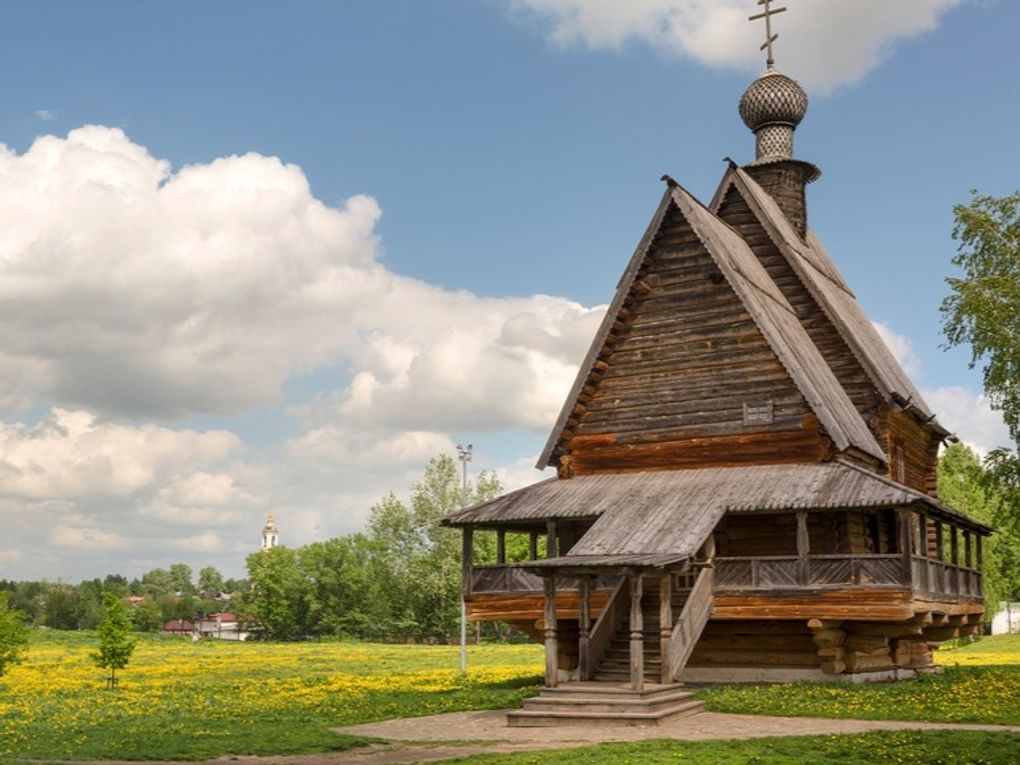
(464, 455)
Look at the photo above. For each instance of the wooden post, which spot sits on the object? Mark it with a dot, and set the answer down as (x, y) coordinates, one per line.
(709, 547)
(980, 552)
(966, 549)
(584, 629)
(637, 635)
(905, 547)
(803, 548)
(533, 545)
(550, 539)
(552, 650)
(954, 542)
(501, 547)
(939, 543)
(665, 625)
(467, 559)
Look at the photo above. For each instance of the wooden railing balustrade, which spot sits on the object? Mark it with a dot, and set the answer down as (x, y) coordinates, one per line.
(788, 571)
(691, 621)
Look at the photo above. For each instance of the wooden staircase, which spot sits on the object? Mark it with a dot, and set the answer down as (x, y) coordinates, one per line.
(595, 703)
(615, 666)
(609, 698)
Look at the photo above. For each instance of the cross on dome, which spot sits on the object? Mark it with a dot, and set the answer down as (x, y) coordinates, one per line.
(770, 38)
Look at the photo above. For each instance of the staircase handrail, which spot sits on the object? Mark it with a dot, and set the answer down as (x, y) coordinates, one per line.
(691, 621)
(606, 625)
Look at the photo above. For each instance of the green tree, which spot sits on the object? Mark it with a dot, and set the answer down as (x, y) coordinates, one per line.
(420, 559)
(157, 583)
(966, 485)
(115, 641)
(210, 580)
(147, 616)
(180, 579)
(277, 602)
(13, 635)
(983, 307)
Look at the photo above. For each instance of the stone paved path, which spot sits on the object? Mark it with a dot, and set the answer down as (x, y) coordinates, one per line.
(460, 734)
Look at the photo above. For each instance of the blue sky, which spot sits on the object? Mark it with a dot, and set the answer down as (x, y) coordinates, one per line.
(195, 340)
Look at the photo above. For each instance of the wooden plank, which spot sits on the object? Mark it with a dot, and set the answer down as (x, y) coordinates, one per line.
(637, 640)
(551, 645)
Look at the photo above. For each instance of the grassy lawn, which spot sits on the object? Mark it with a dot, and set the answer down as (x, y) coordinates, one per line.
(910, 747)
(184, 700)
(980, 684)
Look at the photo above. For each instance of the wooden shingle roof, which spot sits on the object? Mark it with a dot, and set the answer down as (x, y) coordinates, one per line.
(820, 276)
(660, 511)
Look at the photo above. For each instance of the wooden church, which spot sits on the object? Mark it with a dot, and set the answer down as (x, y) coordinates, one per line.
(746, 485)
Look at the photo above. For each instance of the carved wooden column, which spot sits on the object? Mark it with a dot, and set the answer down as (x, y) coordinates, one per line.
(940, 554)
(803, 548)
(552, 666)
(665, 625)
(584, 629)
(533, 545)
(637, 635)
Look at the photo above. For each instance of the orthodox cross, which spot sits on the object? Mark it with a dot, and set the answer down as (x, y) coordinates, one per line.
(770, 38)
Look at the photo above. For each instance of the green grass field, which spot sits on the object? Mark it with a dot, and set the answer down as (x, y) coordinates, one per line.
(980, 684)
(184, 700)
(902, 748)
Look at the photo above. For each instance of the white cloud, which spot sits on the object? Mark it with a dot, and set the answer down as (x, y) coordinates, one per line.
(135, 290)
(86, 538)
(824, 43)
(45, 115)
(72, 454)
(900, 347)
(970, 416)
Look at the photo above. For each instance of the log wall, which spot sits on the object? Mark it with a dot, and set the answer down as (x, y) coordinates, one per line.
(683, 363)
(851, 375)
(913, 450)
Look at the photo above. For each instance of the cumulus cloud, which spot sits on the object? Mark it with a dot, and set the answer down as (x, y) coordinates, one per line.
(824, 43)
(970, 416)
(900, 347)
(967, 414)
(72, 454)
(133, 289)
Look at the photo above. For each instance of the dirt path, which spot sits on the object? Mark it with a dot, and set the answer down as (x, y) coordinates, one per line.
(460, 734)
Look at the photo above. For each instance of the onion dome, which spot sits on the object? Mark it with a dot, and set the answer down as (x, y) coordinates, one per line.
(772, 107)
(773, 99)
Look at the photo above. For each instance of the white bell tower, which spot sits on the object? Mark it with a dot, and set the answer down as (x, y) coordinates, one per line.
(270, 534)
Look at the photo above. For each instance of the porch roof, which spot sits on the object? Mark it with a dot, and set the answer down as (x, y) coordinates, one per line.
(645, 513)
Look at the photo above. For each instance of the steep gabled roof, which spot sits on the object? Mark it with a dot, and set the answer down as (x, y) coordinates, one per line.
(623, 290)
(822, 279)
(770, 311)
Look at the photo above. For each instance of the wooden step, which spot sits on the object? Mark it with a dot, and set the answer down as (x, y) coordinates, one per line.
(525, 718)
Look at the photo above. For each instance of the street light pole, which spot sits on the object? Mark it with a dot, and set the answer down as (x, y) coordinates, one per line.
(464, 455)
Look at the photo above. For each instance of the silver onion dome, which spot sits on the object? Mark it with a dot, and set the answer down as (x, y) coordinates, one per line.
(773, 99)
(772, 107)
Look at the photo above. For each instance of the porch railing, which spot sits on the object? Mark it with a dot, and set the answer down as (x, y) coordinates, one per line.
(926, 574)
(498, 578)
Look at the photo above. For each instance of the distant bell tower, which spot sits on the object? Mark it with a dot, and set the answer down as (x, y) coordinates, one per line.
(270, 534)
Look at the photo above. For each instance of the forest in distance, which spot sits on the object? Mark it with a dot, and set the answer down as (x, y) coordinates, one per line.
(399, 580)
